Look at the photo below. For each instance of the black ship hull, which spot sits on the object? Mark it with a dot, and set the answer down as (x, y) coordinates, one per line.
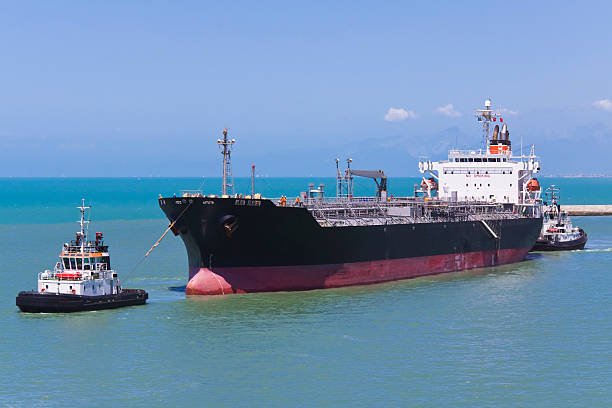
(35, 302)
(240, 245)
(543, 244)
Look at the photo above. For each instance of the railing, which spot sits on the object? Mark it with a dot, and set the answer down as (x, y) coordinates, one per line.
(408, 210)
(75, 275)
(457, 152)
(89, 247)
(192, 193)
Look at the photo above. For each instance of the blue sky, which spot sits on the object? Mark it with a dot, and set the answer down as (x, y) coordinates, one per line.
(144, 88)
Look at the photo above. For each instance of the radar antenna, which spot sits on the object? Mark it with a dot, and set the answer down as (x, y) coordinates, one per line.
(225, 145)
(486, 116)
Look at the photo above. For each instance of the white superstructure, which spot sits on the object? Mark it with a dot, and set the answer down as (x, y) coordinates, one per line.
(84, 267)
(491, 174)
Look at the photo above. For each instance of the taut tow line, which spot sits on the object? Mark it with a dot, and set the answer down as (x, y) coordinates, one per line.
(160, 239)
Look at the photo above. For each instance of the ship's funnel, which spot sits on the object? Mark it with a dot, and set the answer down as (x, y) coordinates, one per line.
(504, 132)
(495, 132)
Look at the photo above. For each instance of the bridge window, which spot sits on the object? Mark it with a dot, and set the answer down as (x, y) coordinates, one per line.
(72, 263)
(79, 262)
(470, 159)
(66, 263)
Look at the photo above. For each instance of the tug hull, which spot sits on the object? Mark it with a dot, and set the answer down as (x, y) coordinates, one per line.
(543, 244)
(36, 302)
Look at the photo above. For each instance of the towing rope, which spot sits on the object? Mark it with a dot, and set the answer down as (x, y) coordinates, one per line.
(159, 240)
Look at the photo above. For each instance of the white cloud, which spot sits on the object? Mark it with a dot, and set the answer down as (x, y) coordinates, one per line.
(507, 111)
(399, 114)
(603, 104)
(448, 110)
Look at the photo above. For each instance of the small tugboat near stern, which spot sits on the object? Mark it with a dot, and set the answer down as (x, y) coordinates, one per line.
(82, 280)
(558, 233)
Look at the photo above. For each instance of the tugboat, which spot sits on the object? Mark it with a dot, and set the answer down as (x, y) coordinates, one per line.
(558, 233)
(82, 280)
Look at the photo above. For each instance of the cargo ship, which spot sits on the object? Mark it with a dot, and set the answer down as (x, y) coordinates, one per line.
(472, 210)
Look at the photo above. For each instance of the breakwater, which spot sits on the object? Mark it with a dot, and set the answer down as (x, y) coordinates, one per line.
(598, 209)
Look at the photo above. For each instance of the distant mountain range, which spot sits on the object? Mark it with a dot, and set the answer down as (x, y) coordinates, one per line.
(580, 151)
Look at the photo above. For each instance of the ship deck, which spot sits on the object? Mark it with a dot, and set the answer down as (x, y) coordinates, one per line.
(356, 211)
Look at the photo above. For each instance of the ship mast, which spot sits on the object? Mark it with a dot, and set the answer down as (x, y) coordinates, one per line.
(486, 116)
(225, 145)
(553, 192)
(82, 234)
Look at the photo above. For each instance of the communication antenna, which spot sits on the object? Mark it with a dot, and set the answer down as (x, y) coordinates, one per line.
(225, 145)
(350, 178)
(338, 179)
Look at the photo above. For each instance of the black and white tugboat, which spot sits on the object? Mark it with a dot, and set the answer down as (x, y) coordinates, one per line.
(82, 280)
(558, 233)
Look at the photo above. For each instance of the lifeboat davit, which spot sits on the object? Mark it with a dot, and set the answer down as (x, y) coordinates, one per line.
(533, 185)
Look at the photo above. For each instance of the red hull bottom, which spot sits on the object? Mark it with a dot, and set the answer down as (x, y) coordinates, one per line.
(227, 280)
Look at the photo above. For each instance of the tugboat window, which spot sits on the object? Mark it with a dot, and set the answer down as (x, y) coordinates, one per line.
(79, 263)
(72, 263)
(66, 263)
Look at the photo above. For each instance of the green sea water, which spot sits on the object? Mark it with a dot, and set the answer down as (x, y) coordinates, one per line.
(531, 334)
